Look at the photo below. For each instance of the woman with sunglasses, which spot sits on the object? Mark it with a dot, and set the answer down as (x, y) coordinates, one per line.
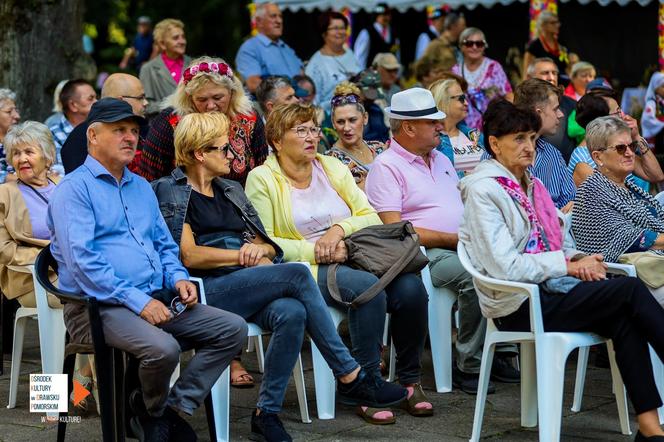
(223, 241)
(612, 215)
(486, 77)
(463, 145)
(349, 119)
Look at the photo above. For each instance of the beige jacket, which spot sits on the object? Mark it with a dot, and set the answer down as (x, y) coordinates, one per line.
(17, 246)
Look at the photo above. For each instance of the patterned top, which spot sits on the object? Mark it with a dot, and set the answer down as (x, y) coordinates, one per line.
(357, 168)
(60, 132)
(582, 155)
(247, 136)
(484, 84)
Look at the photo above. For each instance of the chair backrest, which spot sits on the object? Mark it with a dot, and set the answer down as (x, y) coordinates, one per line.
(43, 263)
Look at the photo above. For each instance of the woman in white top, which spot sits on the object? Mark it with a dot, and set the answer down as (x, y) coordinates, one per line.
(333, 63)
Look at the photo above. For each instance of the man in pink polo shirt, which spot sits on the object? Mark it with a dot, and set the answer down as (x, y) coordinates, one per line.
(413, 181)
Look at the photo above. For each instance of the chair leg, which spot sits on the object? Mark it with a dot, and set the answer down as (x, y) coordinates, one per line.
(105, 378)
(17, 354)
(440, 335)
(619, 390)
(119, 393)
(528, 385)
(298, 377)
(68, 369)
(219, 406)
(325, 386)
(483, 386)
(260, 353)
(658, 373)
(392, 373)
(550, 360)
(581, 367)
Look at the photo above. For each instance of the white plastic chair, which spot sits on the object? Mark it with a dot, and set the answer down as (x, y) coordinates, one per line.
(660, 198)
(220, 392)
(543, 356)
(51, 335)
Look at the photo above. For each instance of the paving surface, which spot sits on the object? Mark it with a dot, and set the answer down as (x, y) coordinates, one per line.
(452, 420)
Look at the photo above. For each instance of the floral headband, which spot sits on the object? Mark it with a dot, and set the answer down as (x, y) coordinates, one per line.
(210, 68)
(340, 100)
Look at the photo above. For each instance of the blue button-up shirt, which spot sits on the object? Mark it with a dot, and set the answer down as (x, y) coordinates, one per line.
(109, 239)
(261, 56)
(552, 171)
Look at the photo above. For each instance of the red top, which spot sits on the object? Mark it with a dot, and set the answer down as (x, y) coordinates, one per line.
(175, 67)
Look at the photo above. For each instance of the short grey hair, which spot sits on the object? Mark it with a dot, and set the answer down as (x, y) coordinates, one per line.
(395, 125)
(601, 129)
(261, 9)
(267, 90)
(542, 18)
(57, 104)
(581, 66)
(472, 31)
(451, 19)
(531, 67)
(7, 95)
(32, 133)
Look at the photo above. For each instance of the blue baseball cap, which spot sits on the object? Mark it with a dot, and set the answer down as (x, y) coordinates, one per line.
(599, 83)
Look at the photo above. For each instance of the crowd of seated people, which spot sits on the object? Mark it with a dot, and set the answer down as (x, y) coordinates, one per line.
(253, 176)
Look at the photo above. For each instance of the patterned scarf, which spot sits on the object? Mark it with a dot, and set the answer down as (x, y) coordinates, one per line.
(545, 234)
(608, 219)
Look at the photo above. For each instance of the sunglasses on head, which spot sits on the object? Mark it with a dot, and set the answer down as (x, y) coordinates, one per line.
(477, 43)
(622, 148)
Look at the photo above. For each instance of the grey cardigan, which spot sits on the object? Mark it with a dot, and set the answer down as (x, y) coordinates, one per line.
(158, 82)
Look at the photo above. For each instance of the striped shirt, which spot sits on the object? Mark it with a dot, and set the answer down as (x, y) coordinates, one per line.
(552, 171)
(60, 132)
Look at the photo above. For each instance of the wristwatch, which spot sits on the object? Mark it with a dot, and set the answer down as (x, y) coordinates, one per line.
(642, 148)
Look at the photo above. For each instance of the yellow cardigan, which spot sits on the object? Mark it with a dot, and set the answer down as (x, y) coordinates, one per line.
(269, 191)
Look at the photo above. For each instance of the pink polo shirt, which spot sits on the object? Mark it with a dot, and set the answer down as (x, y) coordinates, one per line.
(400, 181)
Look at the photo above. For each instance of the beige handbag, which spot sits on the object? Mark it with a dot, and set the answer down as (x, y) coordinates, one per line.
(649, 267)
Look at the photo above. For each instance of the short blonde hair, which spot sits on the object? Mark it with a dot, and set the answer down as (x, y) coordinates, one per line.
(285, 116)
(164, 26)
(441, 92)
(197, 131)
(32, 133)
(182, 99)
(581, 66)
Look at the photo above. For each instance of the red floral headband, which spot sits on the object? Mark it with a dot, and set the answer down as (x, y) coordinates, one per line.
(211, 68)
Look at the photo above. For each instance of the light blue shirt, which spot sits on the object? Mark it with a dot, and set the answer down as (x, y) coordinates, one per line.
(109, 239)
(261, 56)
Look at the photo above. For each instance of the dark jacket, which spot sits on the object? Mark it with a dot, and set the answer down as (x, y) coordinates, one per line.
(173, 195)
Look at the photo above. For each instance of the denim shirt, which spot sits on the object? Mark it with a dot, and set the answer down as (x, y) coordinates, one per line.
(173, 194)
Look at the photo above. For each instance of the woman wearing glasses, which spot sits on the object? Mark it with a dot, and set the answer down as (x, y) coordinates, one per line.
(612, 215)
(349, 119)
(308, 204)
(334, 62)
(223, 241)
(485, 77)
(463, 145)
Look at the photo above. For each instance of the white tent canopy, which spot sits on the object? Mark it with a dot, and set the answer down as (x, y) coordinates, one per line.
(403, 5)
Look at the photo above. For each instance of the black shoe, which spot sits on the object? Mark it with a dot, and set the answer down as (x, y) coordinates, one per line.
(136, 404)
(181, 431)
(468, 382)
(267, 427)
(502, 371)
(370, 391)
(641, 438)
(151, 429)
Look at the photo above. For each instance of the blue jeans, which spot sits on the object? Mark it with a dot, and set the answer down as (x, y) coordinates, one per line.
(405, 299)
(284, 299)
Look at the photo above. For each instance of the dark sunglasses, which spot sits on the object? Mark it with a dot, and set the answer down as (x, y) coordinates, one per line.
(477, 43)
(622, 148)
(462, 98)
(223, 149)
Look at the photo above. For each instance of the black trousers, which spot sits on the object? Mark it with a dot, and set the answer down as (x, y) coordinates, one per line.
(622, 309)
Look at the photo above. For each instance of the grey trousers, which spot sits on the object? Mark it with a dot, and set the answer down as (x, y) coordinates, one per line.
(216, 335)
(447, 271)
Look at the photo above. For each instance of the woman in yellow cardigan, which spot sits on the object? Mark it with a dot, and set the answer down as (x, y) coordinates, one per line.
(308, 203)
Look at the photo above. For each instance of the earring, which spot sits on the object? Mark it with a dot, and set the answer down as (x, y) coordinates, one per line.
(600, 164)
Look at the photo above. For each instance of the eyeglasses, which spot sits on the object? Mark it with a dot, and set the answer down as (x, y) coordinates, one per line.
(139, 98)
(303, 131)
(336, 28)
(177, 307)
(477, 43)
(618, 111)
(461, 97)
(223, 149)
(622, 148)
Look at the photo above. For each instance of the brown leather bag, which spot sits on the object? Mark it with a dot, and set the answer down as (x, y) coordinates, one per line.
(385, 250)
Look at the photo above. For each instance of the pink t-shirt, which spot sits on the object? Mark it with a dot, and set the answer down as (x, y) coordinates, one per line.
(318, 207)
(175, 67)
(400, 181)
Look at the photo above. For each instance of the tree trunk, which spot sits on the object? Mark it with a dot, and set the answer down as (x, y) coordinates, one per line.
(40, 45)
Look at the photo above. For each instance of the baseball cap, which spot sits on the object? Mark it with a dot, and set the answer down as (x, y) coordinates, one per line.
(386, 60)
(599, 83)
(112, 110)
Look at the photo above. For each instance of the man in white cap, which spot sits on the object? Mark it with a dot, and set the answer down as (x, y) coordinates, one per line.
(389, 69)
(413, 181)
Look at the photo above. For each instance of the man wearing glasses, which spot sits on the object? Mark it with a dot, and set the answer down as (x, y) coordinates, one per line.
(124, 87)
(111, 242)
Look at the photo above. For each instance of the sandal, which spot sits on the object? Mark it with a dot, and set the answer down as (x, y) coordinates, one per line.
(376, 416)
(416, 403)
(81, 408)
(240, 378)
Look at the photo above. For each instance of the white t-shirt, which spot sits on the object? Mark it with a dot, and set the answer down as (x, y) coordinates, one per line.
(466, 153)
(318, 207)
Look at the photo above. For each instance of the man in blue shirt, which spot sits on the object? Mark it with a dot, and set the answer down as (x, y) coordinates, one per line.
(266, 54)
(111, 242)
